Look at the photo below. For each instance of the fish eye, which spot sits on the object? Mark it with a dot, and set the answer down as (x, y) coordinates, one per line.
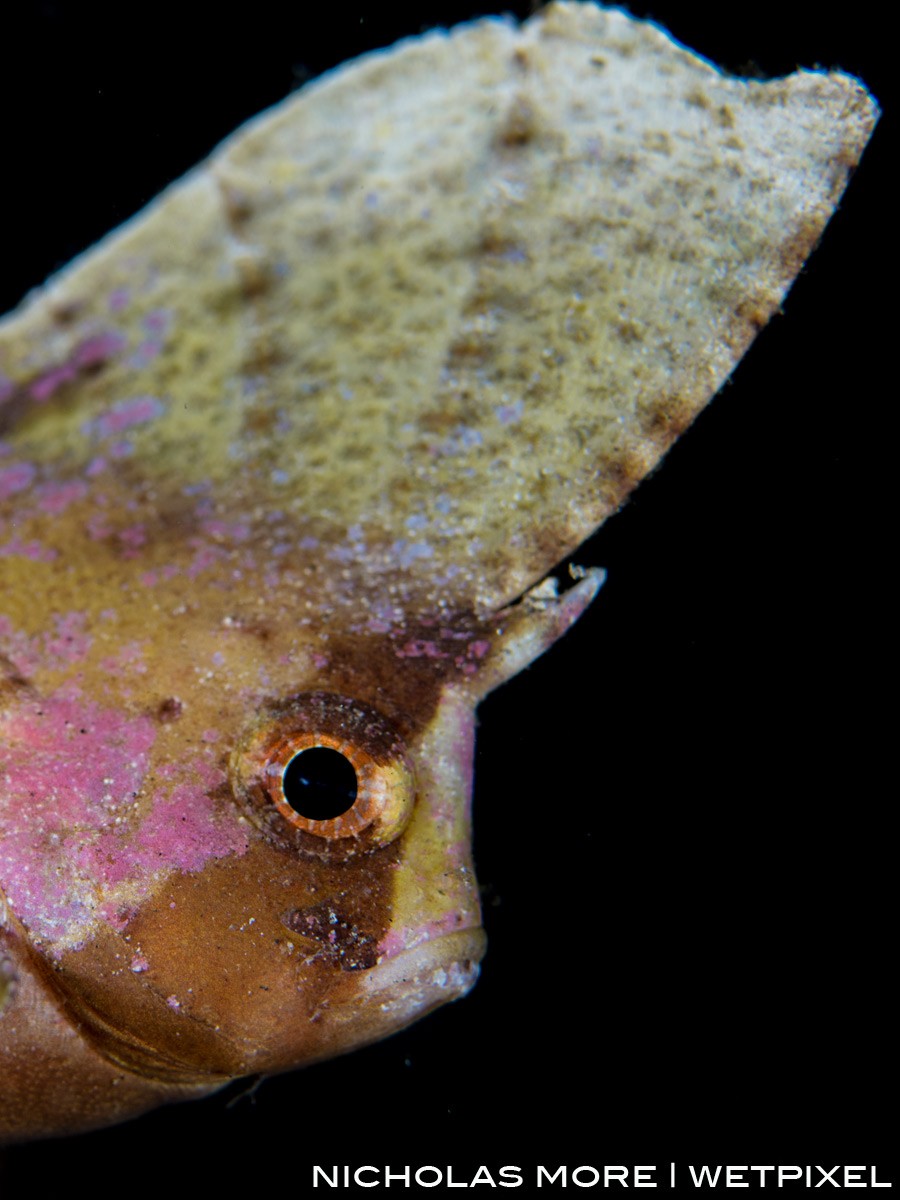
(325, 775)
(320, 783)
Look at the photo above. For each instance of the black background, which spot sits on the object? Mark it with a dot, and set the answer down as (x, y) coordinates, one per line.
(681, 810)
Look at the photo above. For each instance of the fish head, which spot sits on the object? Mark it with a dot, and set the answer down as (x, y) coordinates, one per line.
(226, 877)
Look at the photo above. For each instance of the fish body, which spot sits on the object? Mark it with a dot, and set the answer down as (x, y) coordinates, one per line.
(288, 457)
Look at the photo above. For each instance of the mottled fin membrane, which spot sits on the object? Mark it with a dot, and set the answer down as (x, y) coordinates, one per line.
(471, 323)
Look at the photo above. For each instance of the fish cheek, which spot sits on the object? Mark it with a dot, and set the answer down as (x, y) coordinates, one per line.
(300, 946)
(237, 968)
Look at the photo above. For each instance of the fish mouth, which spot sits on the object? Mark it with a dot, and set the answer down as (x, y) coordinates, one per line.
(411, 983)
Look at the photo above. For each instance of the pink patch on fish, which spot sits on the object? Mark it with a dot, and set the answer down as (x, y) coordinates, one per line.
(20, 649)
(182, 833)
(73, 764)
(132, 537)
(98, 349)
(119, 298)
(56, 497)
(15, 479)
(128, 413)
(90, 353)
(16, 548)
(204, 558)
(79, 769)
(421, 649)
(70, 643)
(127, 661)
(116, 915)
(44, 387)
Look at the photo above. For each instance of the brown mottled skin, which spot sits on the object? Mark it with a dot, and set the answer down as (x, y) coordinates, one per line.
(314, 422)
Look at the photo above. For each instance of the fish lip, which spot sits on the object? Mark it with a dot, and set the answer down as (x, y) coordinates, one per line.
(471, 940)
(437, 970)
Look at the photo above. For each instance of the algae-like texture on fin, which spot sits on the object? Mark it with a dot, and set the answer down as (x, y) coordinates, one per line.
(443, 321)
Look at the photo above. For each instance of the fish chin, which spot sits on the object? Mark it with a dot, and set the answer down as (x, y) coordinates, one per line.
(398, 991)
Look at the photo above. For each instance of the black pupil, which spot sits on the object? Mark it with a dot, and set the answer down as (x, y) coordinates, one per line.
(319, 784)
